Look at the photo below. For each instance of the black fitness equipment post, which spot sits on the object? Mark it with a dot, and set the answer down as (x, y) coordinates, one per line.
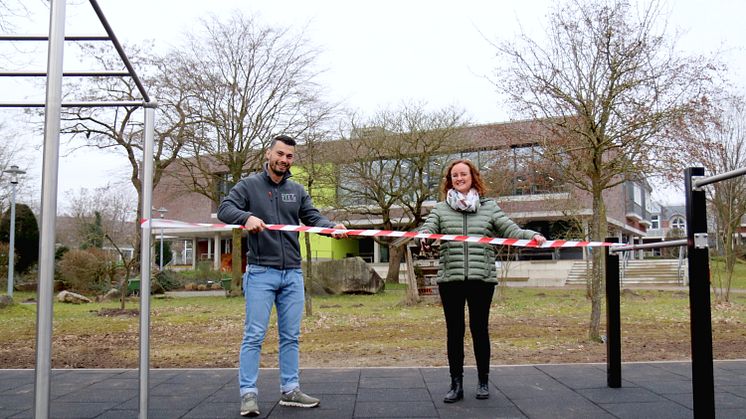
(703, 387)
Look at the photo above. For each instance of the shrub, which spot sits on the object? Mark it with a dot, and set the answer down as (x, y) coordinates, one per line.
(167, 254)
(4, 248)
(206, 273)
(87, 270)
(169, 280)
(60, 251)
(26, 236)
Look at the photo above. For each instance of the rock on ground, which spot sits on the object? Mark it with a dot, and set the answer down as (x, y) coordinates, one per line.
(73, 298)
(343, 276)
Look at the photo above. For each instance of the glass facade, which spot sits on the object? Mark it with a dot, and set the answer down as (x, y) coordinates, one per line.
(506, 171)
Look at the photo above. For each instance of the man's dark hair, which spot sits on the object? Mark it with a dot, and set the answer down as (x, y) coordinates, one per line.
(285, 139)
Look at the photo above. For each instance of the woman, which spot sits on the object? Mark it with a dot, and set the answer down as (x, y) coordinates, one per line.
(467, 270)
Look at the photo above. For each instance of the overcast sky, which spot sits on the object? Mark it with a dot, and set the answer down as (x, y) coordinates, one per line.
(375, 53)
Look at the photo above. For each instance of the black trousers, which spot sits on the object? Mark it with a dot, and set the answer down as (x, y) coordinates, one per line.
(454, 295)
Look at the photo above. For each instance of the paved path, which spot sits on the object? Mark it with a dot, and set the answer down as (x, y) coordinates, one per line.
(649, 390)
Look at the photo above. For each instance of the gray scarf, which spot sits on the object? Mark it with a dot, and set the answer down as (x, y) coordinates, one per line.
(461, 202)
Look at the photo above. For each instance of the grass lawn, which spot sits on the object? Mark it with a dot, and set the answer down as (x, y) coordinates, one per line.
(528, 325)
(739, 273)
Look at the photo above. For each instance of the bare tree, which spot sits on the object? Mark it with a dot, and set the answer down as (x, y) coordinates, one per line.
(10, 9)
(116, 207)
(248, 82)
(121, 129)
(391, 164)
(10, 154)
(718, 143)
(606, 85)
(115, 210)
(317, 176)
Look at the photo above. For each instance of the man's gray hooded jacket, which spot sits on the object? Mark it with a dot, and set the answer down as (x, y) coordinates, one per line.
(283, 203)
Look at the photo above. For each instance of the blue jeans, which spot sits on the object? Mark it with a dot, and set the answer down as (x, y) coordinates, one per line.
(264, 286)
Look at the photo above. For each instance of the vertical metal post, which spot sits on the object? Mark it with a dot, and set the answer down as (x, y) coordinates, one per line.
(50, 168)
(194, 253)
(147, 200)
(14, 171)
(161, 211)
(160, 262)
(12, 244)
(703, 388)
(613, 319)
(216, 252)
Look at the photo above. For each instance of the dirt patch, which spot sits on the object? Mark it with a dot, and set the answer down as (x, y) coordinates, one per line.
(118, 312)
(353, 346)
(358, 333)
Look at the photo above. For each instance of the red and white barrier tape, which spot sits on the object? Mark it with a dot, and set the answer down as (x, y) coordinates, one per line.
(174, 224)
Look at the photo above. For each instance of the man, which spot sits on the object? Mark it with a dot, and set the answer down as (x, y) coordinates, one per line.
(273, 273)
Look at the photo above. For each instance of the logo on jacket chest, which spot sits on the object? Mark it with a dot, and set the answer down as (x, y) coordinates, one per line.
(289, 197)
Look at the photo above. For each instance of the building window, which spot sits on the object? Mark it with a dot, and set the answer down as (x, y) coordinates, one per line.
(655, 222)
(224, 185)
(678, 223)
(637, 192)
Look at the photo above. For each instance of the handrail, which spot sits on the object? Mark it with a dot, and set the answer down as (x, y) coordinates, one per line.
(667, 243)
(696, 184)
(679, 275)
(623, 267)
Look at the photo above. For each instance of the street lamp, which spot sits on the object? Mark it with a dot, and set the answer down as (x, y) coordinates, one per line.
(14, 171)
(161, 211)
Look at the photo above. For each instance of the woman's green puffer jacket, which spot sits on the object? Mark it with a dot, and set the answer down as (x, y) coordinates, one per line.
(472, 261)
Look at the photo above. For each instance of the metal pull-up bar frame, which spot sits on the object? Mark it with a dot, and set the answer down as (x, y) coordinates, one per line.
(52, 121)
(703, 387)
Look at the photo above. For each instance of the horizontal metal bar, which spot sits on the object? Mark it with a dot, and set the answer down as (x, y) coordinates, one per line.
(66, 74)
(46, 38)
(120, 50)
(667, 243)
(717, 178)
(74, 104)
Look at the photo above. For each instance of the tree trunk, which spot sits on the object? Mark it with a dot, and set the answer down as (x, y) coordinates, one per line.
(123, 284)
(395, 254)
(123, 290)
(729, 253)
(236, 264)
(413, 296)
(599, 231)
(308, 277)
(504, 270)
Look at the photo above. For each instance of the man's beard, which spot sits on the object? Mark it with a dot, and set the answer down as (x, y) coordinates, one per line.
(276, 169)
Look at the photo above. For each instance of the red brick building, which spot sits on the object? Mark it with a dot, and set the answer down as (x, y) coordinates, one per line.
(508, 160)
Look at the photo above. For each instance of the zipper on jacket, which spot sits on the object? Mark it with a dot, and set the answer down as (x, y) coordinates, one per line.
(466, 250)
(279, 221)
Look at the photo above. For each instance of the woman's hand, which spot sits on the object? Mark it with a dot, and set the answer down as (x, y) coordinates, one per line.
(539, 239)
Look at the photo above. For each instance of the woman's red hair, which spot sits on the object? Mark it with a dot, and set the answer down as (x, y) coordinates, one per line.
(476, 178)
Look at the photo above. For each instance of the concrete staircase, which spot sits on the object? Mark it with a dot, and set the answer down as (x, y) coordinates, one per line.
(579, 273)
(654, 272)
(637, 272)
